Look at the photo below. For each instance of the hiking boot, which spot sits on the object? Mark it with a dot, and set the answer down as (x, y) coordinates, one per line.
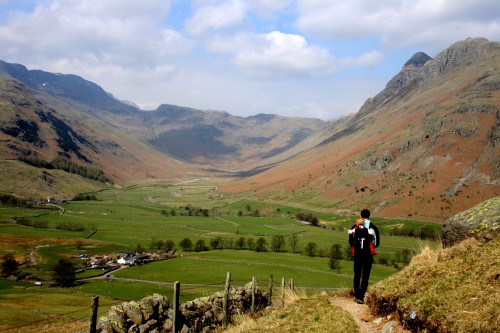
(359, 301)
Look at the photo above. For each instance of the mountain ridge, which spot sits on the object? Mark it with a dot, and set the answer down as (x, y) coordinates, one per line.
(426, 146)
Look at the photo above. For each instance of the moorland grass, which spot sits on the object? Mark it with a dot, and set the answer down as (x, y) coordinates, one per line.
(451, 290)
(305, 314)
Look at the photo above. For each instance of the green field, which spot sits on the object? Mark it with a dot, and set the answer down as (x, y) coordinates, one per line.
(122, 219)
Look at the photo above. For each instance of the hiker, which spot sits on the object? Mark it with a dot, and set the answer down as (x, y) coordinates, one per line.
(363, 238)
(360, 223)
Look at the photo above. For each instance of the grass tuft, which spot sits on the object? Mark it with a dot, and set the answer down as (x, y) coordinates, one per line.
(301, 314)
(449, 290)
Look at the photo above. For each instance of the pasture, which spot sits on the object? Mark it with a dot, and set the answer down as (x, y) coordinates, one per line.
(140, 215)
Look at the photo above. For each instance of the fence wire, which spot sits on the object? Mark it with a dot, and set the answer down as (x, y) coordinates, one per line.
(35, 322)
(192, 289)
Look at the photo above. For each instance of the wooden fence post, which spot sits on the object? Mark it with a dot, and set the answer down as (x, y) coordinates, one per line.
(270, 300)
(225, 300)
(292, 284)
(283, 291)
(93, 314)
(176, 321)
(254, 286)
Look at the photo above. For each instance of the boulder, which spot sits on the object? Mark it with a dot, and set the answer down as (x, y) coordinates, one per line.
(481, 221)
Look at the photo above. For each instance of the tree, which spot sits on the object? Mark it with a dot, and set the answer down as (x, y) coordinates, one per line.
(311, 248)
(153, 245)
(260, 245)
(348, 252)
(139, 249)
(294, 242)
(251, 243)
(169, 244)
(216, 242)
(336, 251)
(228, 243)
(64, 273)
(277, 242)
(240, 243)
(9, 264)
(186, 244)
(334, 256)
(200, 245)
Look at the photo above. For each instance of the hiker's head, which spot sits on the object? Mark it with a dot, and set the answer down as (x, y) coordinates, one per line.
(360, 223)
(365, 213)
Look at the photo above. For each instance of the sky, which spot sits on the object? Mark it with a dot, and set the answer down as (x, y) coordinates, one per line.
(301, 58)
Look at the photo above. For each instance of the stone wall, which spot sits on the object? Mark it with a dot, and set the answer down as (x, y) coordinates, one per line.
(156, 314)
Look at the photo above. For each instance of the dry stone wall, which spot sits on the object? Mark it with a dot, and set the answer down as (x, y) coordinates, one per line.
(155, 314)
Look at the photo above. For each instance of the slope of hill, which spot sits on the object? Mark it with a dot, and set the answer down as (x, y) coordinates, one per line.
(450, 290)
(39, 127)
(229, 142)
(212, 139)
(426, 146)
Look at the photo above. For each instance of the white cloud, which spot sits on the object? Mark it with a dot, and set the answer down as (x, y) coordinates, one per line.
(368, 59)
(267, 8)
(216, 16)
(129, 34)
(280, 55)
(401, 23)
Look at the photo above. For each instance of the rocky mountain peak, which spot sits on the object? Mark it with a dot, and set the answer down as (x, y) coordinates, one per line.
(421, 69)
(418, 60)
(461, 53)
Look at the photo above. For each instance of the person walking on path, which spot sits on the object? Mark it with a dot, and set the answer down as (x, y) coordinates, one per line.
(360, 239)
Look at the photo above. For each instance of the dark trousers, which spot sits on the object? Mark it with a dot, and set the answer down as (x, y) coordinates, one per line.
(362, 269)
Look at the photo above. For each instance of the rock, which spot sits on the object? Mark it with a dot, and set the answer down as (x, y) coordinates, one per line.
(481, 221)
(133, 312)
(389, 327)
(116, 318)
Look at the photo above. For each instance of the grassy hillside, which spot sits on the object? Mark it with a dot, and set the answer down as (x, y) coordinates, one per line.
(427, 151)
(450, 290)
(33, 183)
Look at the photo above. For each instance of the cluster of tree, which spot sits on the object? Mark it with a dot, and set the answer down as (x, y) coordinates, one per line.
(63, 163)
(253, 213)
(64, 273)
(313, 220)
(171, 212)
(9, 264)
(159, 245)
(8, 200)
(84, 197)
(29, 223)
(425, 232)
(196, 211)
(75, 226)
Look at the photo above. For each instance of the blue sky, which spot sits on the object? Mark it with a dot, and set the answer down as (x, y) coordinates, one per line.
(307, 58)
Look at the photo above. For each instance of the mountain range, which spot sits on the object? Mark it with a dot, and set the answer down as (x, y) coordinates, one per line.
(425, 147)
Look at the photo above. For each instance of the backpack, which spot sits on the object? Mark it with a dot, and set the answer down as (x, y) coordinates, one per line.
(375, 240)
(362, 241)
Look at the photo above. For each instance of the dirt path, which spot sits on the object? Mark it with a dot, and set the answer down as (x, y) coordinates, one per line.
(366, 321)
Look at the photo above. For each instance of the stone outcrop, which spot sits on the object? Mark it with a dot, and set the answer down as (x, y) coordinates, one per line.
(481, 221)
(155, 313)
